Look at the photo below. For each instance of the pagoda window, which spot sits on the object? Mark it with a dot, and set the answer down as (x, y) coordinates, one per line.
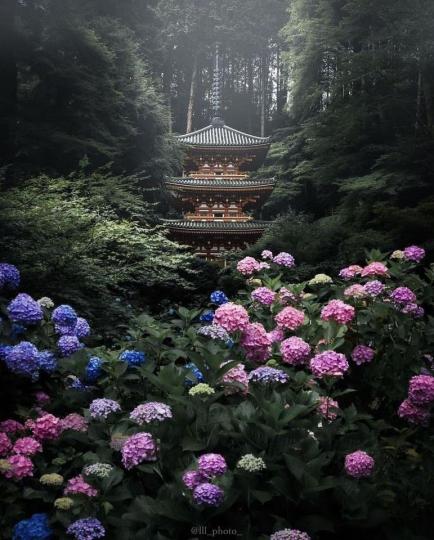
(218, 214)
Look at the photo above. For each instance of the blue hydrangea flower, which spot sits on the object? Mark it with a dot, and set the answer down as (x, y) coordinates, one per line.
(64, 316)
(133, 358)
(47, 361)
(207, 316)
(93, 369)
(2, 279)
(218, 298)
(10, 275)
(230, 343)
(268, 375)
(73, 383)
(196, 372)
(23, 309)
(4, 349)
(34, 528)
(82, 328)
(69, 345)
(87, 529)
(23, 359)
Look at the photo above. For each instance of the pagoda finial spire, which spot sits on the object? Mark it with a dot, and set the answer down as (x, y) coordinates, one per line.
(217, 89)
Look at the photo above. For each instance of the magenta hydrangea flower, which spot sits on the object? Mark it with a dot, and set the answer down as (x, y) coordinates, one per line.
(263, 295)
(421, 390)
(359, 464)
(239, 375)
(289, 318)
(210, 465)
(374, 288)
(255, 342)
(267, 254)
(11, 426)
(47, 427)
(338, 311)
(5, 444)
(101, 408)
(328, 408)
(329, 364)
(276, 335)
(75, 422)
(248, 266)
(414, 253)
(153, 411)
(192, 478)
(42, 398)
(414, 310)
(350, 272)
(19, 467)
(374, 269)
(79, 486)
(27, 446)
(355, 291)
(415, 414)
(231, 317)
(295, 351)
(207, 494)
(138, 448)
(403, 296)
(284, 259)
(362, 354)
(290, 534)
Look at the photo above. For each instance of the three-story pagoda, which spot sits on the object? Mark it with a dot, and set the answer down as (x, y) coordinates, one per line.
(216, 193)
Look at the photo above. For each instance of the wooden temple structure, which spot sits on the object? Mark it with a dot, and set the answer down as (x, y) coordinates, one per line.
(215, 193)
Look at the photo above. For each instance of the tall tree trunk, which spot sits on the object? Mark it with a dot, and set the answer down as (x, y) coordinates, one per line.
(264, 87)
(192, 95)
(8, 85)
(250, 90)
(167, 83)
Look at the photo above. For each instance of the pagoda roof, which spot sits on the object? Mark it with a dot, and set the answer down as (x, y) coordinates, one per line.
(216, 226)
(218, 134)
(221, 183)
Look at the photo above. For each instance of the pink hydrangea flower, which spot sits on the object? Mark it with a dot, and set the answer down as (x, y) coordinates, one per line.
(192, 478)
(248, 266)
(46, 427)
(375, 269)
(27, 446)
(276, 335)
(5, 444)
(290, 318)
(295, 351)
(284, 259)
(415, 414)
(19, 467)
(350, 272)
(263, 266)
(255, 342)
(329, 364)
(75, 422)
(231, 317)
(42, 398)
(355, 291)
(79, 486)
(286, 296)
(421, 390)
(263, 295)
(362, 354)
(239, 375)
(11, 426)
(359, 464)
(138, 448)
(267, 254)
(338, 311)
(327, 408)
(414, 253)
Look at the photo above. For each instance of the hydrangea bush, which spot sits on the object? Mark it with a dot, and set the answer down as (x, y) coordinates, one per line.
(294, 410)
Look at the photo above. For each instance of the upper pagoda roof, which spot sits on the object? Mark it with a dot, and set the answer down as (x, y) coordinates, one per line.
(219, 134)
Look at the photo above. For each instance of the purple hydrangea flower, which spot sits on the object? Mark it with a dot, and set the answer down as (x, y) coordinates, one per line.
(102, 407)
(284, 259)
(64, 316)
(421, 390)
(414, 253)
(295, 351)
(153, 411)
(362, 354)
(374, 288)
(329, 364)
(403, 295)
(415, 414)
(414, 310)
(23, 359)
(10, 276)
(68, 345)
(192, 478)
(23, 309)
(263, 295)
(211, 465)
(289, 534)
(267, 375)
(82, 328)
(138, 448)
(359, 464)
(86, 529)
(208, 494)
(214, 331)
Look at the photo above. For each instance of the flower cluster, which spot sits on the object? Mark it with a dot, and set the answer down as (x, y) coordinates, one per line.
(350, 272)
(34, 528)
(320, 279)
(284, 259)
(27, 446)
(219, 298)
(47, 427)
(231, 317)
(101, 408)
(201, 390)
(359, 464)
(250, 463)
(329, 364)
(79, 486)
(23, 309)
(51, 479)
(199, 481)
(289, 318)
(289, 534)
(374, 269)
(133, 358)
(75, 422)
(238, 375)
(100, 470)
(19, 467)
(295, 351)
(355, 291)
(414, 253)
(268, 375)
(374, 288)
(214, 331)
(94, 369)
(207, 316)
(138, 448)
(86, 529)
(263, 295)
(403, 296)
(68, 345)
(248, 266)
(328, 408)
(256, 342)
(338, 311)
(10, 276)
(362, 354)
(152, 411)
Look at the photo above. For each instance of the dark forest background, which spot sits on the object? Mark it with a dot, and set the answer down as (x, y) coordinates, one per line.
(92, 91)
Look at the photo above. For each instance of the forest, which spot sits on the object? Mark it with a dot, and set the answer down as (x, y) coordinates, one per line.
(147, 408)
